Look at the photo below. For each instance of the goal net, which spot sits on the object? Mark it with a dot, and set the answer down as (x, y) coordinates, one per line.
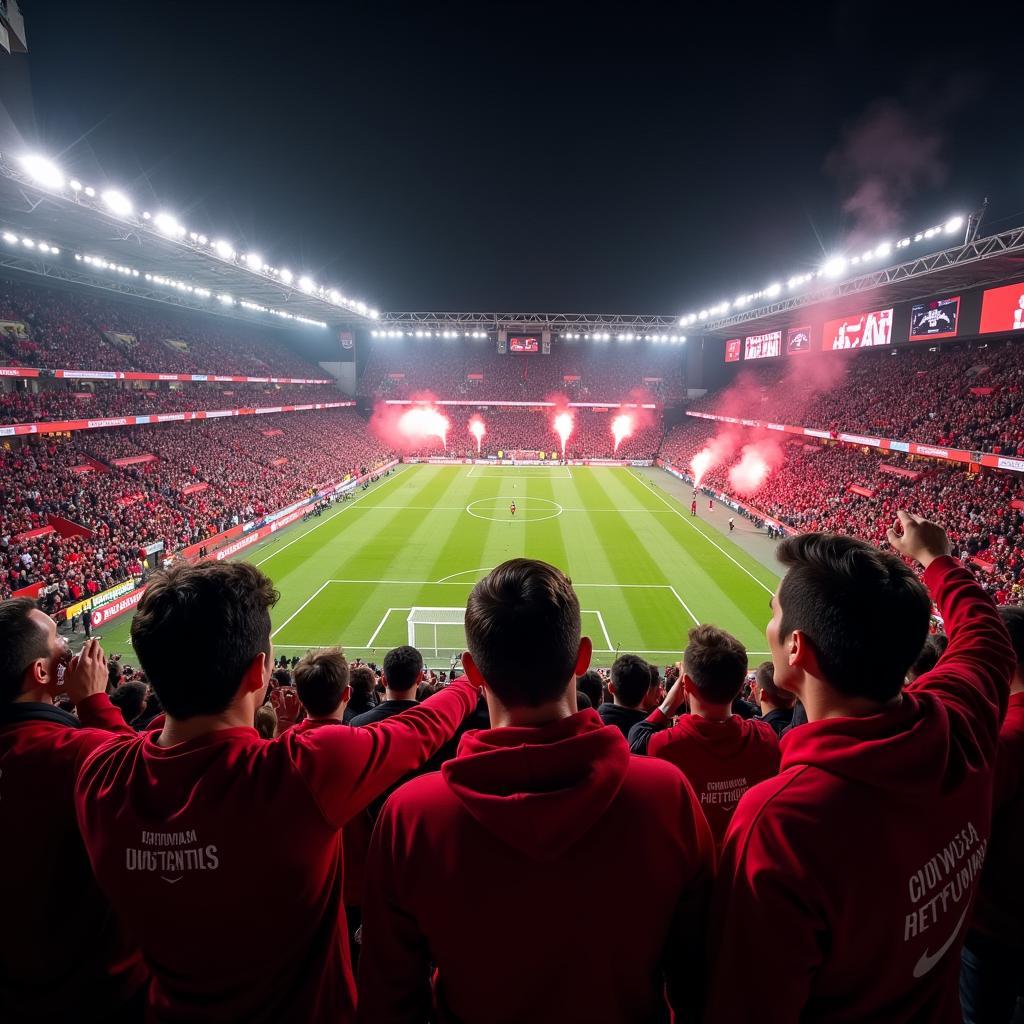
(437, 632)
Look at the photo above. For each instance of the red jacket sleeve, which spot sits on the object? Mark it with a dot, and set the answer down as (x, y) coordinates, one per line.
(972, 678)
(394, 966)
(345, 768)
(97, 712)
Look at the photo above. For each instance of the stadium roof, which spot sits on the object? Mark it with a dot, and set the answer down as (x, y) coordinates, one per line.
(40, 204)
(977, 263)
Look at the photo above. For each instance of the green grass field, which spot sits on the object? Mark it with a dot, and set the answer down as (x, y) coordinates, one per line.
(643, 569)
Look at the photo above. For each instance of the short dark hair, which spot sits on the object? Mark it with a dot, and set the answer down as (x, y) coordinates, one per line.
(362, 680)
(402, 668)
(862, 610)
(320, 680)
(935, 645)
(130, 699)
(523, 631)
(214, 614)
(716, 663)
(655, 674)
(631, 678)
(21, 643)
(1013, 619)
(592, 685)
(764, 676)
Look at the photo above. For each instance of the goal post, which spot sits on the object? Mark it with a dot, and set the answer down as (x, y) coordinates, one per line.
(438, 632)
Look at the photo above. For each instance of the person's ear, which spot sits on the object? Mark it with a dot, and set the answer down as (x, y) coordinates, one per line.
(688, 685)
(583, 655)
(346, 695)
(472, 672)
(255, 676)
(800, 653)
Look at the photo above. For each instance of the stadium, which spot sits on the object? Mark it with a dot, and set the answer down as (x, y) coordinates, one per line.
(183, 413)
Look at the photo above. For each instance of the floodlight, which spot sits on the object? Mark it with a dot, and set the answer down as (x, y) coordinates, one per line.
(117, 202)
(44, 172)
(953, 224)
(255, 262)
(168, 225)
(834, 267)
(286, 275)
(306, 284)
(224, 249)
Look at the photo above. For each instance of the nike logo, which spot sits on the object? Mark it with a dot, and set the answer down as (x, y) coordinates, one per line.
(927, 962)
(175, 881)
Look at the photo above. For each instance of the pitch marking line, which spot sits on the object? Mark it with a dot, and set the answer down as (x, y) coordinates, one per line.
(675, 592)
(465, 572)
(319, 589)
(517, 472)
(677, 651)
(380, 625)
(324, 522)
(711, 541)
(607, 638)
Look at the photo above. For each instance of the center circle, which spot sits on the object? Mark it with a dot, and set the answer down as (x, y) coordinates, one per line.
(502, 514)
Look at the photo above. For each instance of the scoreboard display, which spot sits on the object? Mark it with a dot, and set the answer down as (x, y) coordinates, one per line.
(930, 321)
(523, 343)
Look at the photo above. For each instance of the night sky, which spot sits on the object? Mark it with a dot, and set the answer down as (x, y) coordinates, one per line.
(518, 156)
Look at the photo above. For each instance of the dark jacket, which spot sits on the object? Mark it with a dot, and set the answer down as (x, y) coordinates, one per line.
(622, 718)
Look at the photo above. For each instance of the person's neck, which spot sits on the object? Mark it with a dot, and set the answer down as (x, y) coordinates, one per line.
(625, 707)
(712, 712)
(1017, 684)
(526, 717)
(36, 696)
(338, 715)
(823, 701)
(181, 730)
(767, 706)
(390, 694)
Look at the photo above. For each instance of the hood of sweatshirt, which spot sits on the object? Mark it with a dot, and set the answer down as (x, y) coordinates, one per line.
(540, 790)
(728, 739)
(904, 750)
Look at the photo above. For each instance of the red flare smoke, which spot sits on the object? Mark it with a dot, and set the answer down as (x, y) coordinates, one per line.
(421, 421)
(622, 427)
(477, 428)
(563, 426)
(757, 461)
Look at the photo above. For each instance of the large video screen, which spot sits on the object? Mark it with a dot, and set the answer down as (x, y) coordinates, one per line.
(523, 343)
(1002, 309)
(763, 346)
(798, 339)
(862, 330)
(936, 319)
(733, 350)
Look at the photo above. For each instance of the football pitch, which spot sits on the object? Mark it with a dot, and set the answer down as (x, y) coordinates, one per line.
(644, 570)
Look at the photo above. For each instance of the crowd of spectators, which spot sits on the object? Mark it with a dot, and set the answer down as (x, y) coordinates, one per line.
(473, 368)
(24, 405)
(811, 491)
(75, 330)
(968, 396)
(887, 816)
(205, 477)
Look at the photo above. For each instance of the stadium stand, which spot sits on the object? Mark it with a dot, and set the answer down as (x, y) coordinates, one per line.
(812, 491)
(70, 330)
(201, 478)
(963, 396)
(464, 369)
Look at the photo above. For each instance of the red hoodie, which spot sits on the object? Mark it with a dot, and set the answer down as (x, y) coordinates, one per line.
(188, 840)
(721, 760)
(858, 862)
(63, 954)
(999, 912)
(493, 870)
